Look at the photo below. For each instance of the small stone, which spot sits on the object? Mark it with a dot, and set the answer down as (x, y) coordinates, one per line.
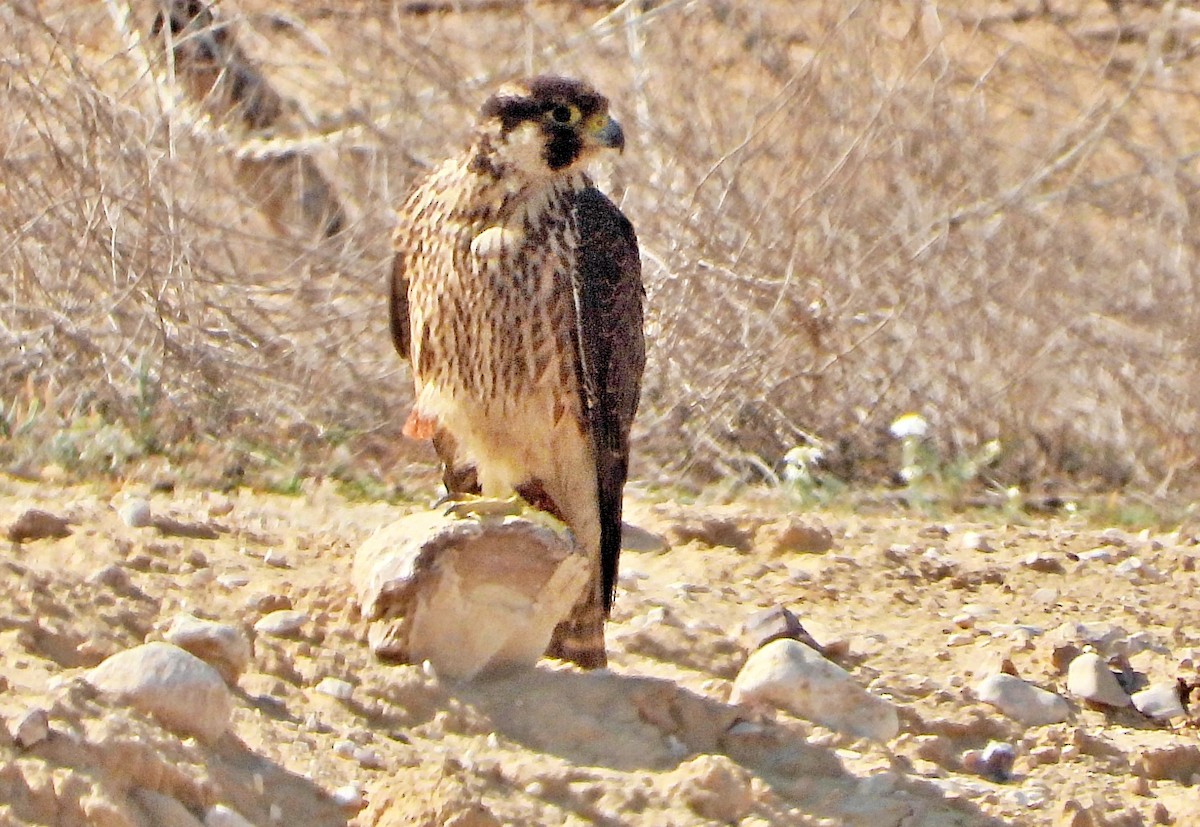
(33, 728)
(276, 558)
(163, 810)
(1139, 785)
(220, 507)
(1159, 701)
(220, 645)
(963, 621)
(335, 688)
(113, 576)
(1022, 701)
(349, 797)
(792, 535)
(1176, 763)
(712, 531)
(1160, 814)
(959, 639)
(1139, 571)
(35, 524)
(232, 581)
(974, 541)
(1089, 677)
(368, 758)
(281, 623)
(221, 816)
(1046, 596)
(640, 540)
(715, 788)
(182, 691)
(794, 677)
(1044, 563)
(135, 513)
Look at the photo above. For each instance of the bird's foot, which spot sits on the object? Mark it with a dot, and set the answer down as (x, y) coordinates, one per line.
(470, 505)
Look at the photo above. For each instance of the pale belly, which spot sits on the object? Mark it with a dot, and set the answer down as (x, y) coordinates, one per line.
(522, 443)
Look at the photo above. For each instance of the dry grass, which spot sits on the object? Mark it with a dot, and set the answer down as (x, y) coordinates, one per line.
(977, 211)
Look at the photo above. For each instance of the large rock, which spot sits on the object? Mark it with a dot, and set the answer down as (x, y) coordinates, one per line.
(1022, 701)
(468, 593)
(186, 694)
(787, 674)
(1089, 677)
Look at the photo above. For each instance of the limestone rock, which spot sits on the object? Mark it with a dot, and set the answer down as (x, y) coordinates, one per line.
(35, 524)
(1022, 701)
(223, 647)
(791, 535)
(281, 623)
(787, 674)
(33, 728)
(1160, 701)
(163, 810)
(469, 594)
(186, 694)
(1089, 677)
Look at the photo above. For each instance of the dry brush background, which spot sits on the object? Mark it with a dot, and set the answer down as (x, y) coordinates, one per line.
(979, 211)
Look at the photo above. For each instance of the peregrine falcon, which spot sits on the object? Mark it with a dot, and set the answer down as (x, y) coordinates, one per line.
(516, 296)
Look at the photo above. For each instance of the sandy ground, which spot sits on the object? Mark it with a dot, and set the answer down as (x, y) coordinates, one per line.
(912, 606)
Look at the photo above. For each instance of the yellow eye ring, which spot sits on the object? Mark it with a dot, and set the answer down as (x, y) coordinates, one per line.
(565, 114)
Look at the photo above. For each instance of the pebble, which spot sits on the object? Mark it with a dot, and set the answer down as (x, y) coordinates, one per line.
(1138, 571)
(794, 677)
(1089, 677)
(277, 558)
(135, 513)
(638, 539)
(1178, 763)
(349, 797)
(221, 816)
(1159, 701)
(368, 758)
(33, 728)
(1046, 596)
(35, 524)
(1022, 701)
(113, 576)
(994, 762)
(182, 691)
(221, 646)
(974, 541)
(335, 688)
(163, 810)
(281, 623)
(792, 535)
(715, 788)
(232, 581)
(1044, 563)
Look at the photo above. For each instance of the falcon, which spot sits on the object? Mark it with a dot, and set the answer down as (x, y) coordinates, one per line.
(516, 296)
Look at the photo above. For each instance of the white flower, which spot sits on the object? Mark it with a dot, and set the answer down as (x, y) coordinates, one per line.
(909, 425)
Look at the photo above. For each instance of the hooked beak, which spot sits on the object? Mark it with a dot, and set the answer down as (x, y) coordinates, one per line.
(608, 133)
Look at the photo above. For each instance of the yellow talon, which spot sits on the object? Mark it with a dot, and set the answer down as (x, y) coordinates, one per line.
(469, 505)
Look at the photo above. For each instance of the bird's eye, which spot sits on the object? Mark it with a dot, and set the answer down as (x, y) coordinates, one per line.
(564, 114)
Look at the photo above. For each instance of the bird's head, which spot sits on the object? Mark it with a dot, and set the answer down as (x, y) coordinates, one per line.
(546, 125)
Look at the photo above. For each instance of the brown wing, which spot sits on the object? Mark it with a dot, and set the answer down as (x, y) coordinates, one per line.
(608, 299)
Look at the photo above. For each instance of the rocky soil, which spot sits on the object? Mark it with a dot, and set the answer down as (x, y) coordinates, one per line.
(297, 723)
